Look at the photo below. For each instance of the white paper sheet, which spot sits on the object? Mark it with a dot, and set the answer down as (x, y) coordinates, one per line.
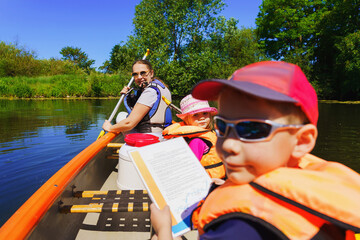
(173, 176)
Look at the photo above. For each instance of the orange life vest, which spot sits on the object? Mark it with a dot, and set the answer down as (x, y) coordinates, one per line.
(297, 202)
(210, 160)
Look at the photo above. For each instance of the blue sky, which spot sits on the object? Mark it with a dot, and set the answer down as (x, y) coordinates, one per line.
(46, 26)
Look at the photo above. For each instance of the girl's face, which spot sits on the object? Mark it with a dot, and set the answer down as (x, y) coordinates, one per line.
(201, 119)
(142, 74)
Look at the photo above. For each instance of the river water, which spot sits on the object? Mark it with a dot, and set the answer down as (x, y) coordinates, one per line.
(38, 137)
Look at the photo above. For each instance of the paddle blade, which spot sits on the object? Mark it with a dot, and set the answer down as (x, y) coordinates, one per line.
(102, 133)
(166, 100)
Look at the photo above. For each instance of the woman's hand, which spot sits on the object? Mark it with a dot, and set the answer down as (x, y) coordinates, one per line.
(125, 90)
(107, 126)
(161, 222)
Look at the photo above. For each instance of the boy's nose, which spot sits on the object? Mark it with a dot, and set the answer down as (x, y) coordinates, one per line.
(232, 143)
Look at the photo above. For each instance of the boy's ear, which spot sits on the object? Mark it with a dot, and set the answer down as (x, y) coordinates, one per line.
(305, 140)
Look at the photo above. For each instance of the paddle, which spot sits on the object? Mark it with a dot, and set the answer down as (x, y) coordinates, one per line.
(121, 99)
(171, 104)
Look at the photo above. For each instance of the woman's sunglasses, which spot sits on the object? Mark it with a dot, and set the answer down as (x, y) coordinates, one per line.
(249, 130)
(142, 73)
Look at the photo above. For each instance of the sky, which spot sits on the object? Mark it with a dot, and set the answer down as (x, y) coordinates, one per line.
(46, 26)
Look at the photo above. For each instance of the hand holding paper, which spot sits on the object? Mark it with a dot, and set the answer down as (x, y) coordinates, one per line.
(161, 222)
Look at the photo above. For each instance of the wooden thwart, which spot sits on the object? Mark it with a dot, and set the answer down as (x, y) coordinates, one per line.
(113, 157)
(90, 194)
(109, 201)
(115, 145)
(107, 207)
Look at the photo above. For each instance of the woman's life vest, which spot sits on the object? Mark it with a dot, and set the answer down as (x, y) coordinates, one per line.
(159, 115)
(210, 160)
(295, 203)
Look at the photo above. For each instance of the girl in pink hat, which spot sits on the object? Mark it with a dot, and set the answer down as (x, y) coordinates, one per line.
(196, 128)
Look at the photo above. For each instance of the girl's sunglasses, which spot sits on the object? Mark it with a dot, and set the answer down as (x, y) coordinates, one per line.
(249, 130)
(142, 73)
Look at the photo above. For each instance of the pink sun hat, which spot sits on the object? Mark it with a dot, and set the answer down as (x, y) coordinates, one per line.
(190, 105)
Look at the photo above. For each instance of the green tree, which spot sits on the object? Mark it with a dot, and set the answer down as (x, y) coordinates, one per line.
(121, 59)
(167, 27)
(186, 42)
(234, 47)
(348, 65)
(105, 67)
(318, 36)
(336, 42)
(17, 61)
(77, 57)
(286, 29)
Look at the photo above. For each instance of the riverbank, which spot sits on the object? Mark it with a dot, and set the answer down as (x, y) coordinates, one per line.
(63, 86)
(58, 98)
(336, 101)
(117, 97)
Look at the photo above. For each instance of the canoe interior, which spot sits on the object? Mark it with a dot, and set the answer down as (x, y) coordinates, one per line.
(99, 174)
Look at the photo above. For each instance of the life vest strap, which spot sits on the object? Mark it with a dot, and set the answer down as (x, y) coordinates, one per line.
(214, 165)
(305, 208)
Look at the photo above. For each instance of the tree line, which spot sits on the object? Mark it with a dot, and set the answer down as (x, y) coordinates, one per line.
(190, 41)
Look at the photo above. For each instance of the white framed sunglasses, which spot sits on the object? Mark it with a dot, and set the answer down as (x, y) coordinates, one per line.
(250, 130)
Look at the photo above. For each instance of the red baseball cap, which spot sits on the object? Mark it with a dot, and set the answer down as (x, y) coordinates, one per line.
(277, 81)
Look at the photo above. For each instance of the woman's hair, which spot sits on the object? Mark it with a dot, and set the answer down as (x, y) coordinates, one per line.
(145, 62)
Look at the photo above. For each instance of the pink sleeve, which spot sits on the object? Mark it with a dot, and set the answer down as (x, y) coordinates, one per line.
(198, 147)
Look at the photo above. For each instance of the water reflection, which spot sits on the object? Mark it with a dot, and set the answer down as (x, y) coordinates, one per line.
(339, 132)
(37, 138)
(22, 118)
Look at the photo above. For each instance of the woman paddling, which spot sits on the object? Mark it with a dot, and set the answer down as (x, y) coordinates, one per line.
(148, 113)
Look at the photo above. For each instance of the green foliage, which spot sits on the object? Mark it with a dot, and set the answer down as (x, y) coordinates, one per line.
(121, 59)
(54, 66)
(319, 36)
(60, 86)
(17, 61)
(349, 58)
(336, 33)
(232, 48)
(113, 84)
(4, 88)
(22, 90)
(168, 27)
(188, 42)
(286, 29)
(77, 57)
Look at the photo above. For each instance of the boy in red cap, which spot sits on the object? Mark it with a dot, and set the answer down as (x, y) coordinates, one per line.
(266, 129)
